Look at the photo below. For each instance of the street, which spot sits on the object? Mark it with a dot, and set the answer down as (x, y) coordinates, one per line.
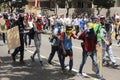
(34, 71)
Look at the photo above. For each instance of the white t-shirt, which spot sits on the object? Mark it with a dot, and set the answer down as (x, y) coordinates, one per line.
(68, 22)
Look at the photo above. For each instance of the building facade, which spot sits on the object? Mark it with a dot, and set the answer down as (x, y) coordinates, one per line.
(49, 6)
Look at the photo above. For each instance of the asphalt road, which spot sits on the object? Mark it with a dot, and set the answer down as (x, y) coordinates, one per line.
(33, 71)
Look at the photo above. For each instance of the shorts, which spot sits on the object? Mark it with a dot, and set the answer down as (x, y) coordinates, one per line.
(69, 53)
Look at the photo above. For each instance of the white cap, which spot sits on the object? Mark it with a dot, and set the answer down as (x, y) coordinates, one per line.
(117, 17)
(39, 15)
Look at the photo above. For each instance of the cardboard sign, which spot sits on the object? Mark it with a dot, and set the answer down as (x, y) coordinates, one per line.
(13, 38)
(2, 27)
(99, 59)
(2, 21)
(34, 11)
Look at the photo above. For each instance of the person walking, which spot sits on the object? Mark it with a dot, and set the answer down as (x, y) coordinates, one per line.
(20, 49)
(37, 25)
(55, 45)
(106, 32)
(66, 46)
(89, 39)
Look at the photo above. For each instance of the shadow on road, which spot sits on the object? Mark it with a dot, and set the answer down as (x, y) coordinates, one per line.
(30, 71)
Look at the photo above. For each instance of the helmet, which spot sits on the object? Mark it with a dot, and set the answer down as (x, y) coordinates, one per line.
(69, 27)
(91, 26)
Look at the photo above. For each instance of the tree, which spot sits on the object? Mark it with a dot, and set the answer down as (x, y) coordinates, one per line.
(13, 4)
(103, 4)
(67, 4)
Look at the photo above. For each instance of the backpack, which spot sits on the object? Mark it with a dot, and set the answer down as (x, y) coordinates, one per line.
(31, 33)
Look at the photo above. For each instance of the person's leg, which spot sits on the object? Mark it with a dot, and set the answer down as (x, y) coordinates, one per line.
(63, 62)
(94, 60)
(84, 58)
(70, 53)
(29, 40)
(53, 50)
(59, 52)
(111, 56)
(25, 39)
(38, 44)
(16, 50)
(3, 37)
(21, 48)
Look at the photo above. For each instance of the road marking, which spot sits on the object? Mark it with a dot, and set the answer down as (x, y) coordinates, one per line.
(66, 67)
(117, 57)
(77, 47)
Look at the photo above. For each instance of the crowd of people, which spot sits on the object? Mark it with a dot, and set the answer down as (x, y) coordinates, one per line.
(93, 30)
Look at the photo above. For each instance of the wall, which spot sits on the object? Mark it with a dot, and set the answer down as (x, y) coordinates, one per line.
(113, 10)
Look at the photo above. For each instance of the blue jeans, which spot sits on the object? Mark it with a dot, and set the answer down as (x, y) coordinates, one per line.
(93, 57)
(109, 51)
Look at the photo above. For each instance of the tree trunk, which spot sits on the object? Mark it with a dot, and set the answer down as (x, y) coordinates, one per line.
(67, 8)
(98, 9)
(108, 13)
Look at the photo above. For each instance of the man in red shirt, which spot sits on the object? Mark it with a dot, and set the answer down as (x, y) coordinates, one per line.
(89, 49)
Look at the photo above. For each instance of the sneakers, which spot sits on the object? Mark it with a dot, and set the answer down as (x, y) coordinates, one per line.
(99, 77)
(49, 63)
(114, 65)
(32, 58)
(80, 75)
(13, 58)
(22, 62)
(41, 63)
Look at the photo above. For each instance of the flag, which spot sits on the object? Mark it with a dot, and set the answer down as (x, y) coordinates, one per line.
(36, 3)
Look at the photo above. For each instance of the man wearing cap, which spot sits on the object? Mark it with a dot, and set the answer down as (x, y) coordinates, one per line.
(66, 46)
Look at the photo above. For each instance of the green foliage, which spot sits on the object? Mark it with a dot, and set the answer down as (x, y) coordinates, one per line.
(109, 3)
(4, 3)
(104, 3)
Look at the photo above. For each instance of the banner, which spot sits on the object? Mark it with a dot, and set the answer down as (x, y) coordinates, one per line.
(13, 38)
(2, 26)
(34, 11)
(2, 21)
(99, 59)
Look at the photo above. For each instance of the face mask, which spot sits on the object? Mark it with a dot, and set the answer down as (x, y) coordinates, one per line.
(39, 22)
(69, 33)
